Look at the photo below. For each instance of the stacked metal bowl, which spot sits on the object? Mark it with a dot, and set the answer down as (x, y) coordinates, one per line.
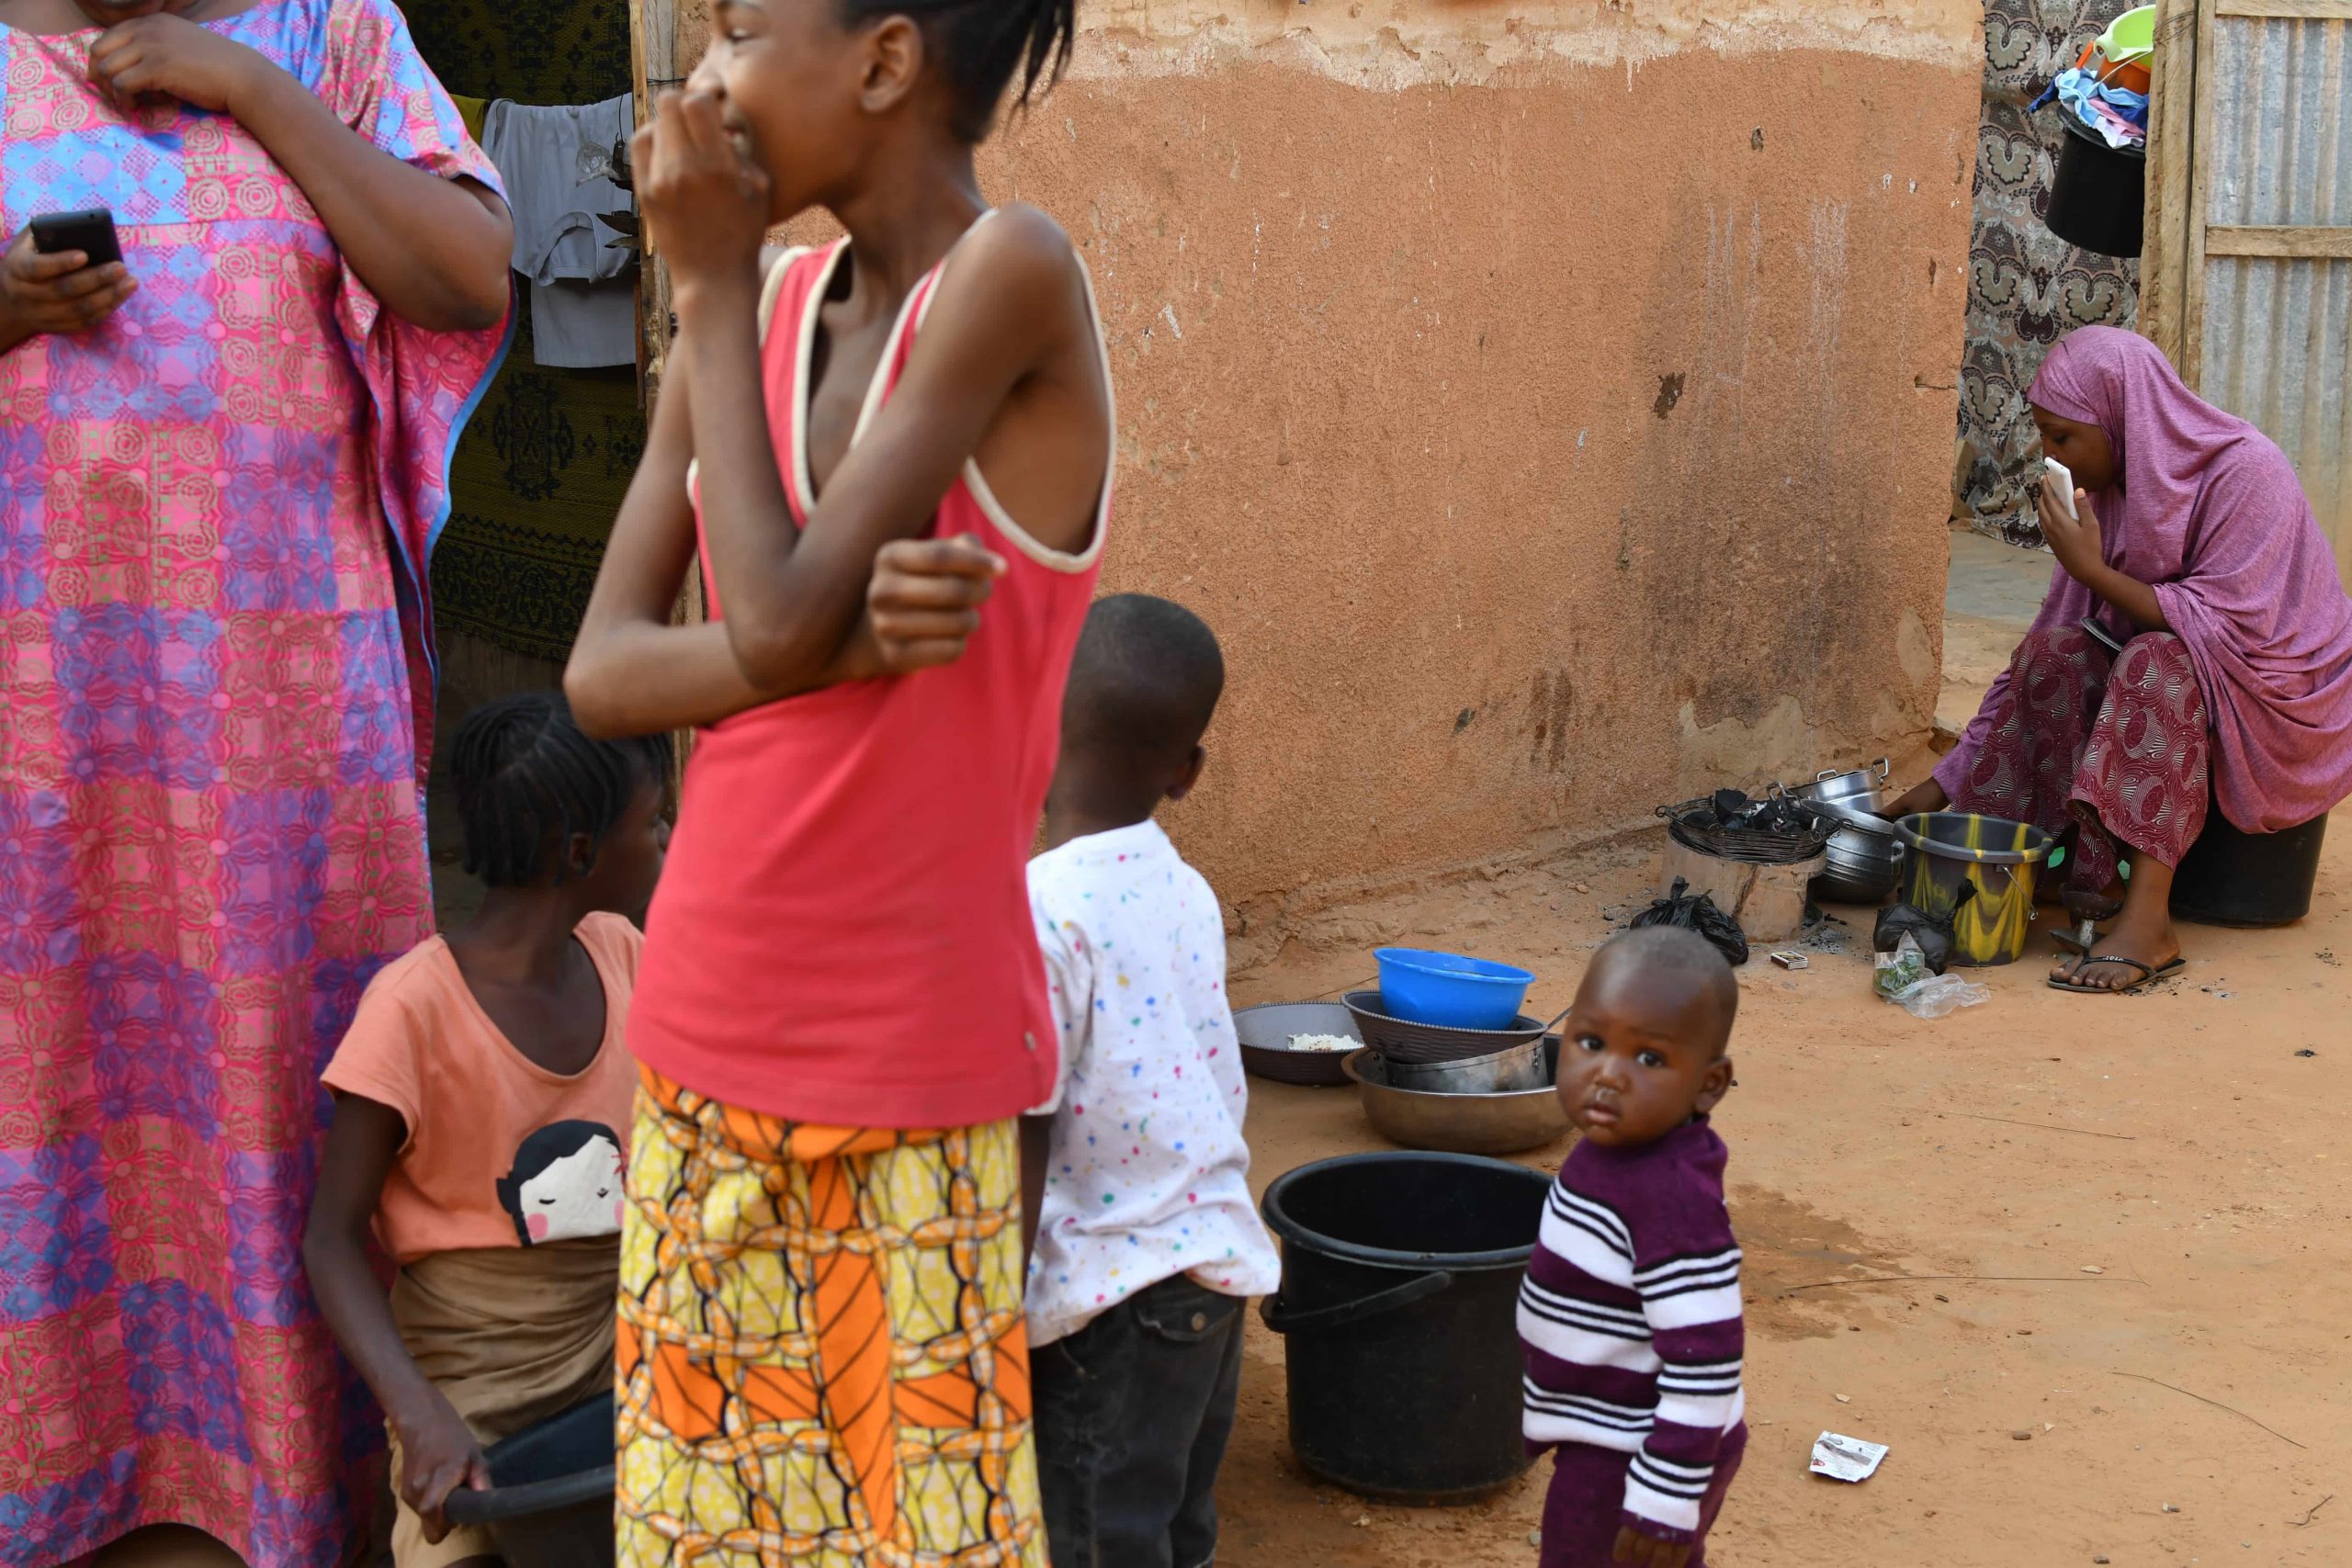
(1477, 1092)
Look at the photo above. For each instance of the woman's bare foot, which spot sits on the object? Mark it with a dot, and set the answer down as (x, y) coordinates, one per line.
(2154, 949)
(2142, 935)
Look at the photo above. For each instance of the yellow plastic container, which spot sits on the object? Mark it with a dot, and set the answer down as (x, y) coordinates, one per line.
(2131, 36)
(1947, 850)
(2119, 56)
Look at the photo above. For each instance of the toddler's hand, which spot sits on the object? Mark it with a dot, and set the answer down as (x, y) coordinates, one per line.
(438, 1455)
(706, 204)
(924, 601)
(1633, 1546)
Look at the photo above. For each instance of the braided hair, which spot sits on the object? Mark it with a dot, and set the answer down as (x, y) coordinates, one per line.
(528, 780)
(976, 44)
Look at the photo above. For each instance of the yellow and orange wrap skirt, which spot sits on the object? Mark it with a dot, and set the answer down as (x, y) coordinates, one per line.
(821, 1358)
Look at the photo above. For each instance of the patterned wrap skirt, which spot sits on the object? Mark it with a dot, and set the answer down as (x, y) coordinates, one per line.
(2112, 749)
(821, 1355)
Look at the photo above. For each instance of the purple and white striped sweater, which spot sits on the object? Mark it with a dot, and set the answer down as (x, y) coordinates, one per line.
(1630, 1319)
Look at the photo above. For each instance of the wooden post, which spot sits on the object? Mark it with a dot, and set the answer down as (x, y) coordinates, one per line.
(2190, 361)
(654, 60)
(2171, 151)
(654, 69)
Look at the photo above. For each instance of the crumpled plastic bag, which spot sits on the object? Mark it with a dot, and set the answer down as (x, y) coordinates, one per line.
(1903, 977)
(1940, 995)
(1696, 913)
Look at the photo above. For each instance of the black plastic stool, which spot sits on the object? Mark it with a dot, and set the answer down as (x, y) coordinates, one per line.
(2233, 878)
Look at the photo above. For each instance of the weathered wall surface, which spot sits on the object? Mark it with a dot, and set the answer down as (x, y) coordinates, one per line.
(1551, 408)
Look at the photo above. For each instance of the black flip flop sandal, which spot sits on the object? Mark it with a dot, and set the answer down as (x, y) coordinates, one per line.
(2147, 976)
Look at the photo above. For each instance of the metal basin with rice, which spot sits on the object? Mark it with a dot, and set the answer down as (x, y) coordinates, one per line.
(1461, 1123)
(1266, 1033)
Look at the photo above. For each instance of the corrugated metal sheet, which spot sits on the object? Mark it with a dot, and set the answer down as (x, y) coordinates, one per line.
(2278, 331)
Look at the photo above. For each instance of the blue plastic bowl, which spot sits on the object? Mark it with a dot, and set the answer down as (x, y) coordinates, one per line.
(1449, 990)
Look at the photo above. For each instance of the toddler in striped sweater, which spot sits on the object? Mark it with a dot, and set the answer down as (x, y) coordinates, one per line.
(1630, 1317)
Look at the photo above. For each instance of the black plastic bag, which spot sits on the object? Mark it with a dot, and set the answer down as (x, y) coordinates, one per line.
(1696, 912)
(1934, 936)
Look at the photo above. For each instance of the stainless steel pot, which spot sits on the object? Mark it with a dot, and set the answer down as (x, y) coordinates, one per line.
(1859, 789)
(1864, 858)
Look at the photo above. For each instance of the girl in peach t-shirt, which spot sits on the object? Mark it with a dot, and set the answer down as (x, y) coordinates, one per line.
(482, 1100)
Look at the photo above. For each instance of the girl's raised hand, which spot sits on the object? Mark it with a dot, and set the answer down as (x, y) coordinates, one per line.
(706, 204)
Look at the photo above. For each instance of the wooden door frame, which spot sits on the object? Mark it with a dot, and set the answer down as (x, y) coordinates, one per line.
(2179, 239)
(2172, 160)
(653, 68)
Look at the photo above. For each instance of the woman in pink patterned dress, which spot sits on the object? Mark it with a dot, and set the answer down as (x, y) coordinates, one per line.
(221, 467)
(2190, 543)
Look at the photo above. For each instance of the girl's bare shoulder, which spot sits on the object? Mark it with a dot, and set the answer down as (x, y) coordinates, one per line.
(1020, 258)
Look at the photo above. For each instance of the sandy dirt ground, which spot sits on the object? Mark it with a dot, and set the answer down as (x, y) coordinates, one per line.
(2088, 1193)
(2180, 1142)
(2183, 1143)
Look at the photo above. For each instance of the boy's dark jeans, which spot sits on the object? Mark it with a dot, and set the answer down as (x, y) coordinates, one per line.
(1131, 1416)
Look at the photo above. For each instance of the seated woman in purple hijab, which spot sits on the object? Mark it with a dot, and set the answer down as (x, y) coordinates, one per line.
(2192, 545)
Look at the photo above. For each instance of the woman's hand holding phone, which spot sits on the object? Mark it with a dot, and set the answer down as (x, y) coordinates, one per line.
(61, 293)
(2070, 528)
(2059, 481)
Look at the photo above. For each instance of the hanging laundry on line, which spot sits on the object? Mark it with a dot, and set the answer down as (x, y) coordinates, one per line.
(557, 162)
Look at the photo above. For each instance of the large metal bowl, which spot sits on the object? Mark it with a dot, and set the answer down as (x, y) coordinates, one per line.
(1460, 1123)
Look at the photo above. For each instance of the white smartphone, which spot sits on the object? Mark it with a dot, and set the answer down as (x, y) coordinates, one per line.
(2066, 483)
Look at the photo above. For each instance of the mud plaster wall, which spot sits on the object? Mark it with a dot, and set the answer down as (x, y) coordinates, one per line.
(1552, 410)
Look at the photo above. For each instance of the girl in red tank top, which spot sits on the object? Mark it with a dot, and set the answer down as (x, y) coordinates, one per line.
(893, 458)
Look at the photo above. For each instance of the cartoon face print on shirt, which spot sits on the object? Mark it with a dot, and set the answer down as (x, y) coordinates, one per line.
(566, 1183)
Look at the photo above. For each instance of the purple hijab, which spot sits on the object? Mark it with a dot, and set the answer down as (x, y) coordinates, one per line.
(2210, 513)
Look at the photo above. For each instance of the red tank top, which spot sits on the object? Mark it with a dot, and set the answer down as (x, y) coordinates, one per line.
(842, 933)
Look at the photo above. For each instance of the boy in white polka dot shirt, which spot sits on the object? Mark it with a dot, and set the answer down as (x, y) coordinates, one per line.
(1149, 1245)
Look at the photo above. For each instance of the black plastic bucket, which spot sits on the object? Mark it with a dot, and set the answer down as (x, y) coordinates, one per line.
(2230, 877)
(2098, 194)
(1400, 1286)
(550, 1502)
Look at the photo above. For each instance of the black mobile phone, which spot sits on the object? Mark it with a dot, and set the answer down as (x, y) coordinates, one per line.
(90, 232)
(2104, 638)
